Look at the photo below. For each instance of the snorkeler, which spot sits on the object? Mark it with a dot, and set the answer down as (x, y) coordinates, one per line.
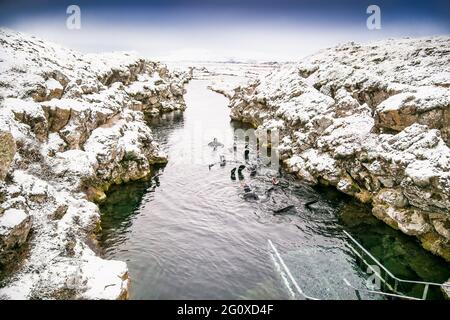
(246, 187)
(246, 153)
(215, 144)
(248, 193)
(223, 162)
(240, 175)
(233, 174)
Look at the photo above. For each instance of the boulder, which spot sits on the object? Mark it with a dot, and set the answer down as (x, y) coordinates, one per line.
(15, 225)
(429, 106)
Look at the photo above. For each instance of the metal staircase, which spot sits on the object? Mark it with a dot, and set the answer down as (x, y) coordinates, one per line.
(395, 285)
(392, 288)
(294, 289)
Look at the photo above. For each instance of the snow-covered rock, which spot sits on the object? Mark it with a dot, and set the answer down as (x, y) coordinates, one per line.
(371, 119)
(71, 125)
(428, 105)
(7, 151)
(15, 225)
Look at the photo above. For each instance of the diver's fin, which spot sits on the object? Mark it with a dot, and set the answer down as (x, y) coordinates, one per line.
(309, 203)
(284, 209)
(233, 174)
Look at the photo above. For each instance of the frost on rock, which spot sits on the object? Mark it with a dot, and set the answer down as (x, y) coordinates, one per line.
(427, 105)
(71, 125)
(370, 119)
(15, 225)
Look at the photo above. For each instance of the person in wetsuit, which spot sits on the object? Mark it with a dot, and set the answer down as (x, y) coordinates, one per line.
(215, 144)
(248, 193)
(239, 170)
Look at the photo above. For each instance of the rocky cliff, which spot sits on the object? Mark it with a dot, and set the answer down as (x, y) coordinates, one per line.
(71, 125)
(372, 120)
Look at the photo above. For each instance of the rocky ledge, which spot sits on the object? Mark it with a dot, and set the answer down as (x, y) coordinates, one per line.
(71, 125)
(372, 120)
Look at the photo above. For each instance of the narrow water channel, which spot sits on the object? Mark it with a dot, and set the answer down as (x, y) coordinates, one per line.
(188, 233)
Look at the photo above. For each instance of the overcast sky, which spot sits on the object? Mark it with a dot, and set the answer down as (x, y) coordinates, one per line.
(221, 30)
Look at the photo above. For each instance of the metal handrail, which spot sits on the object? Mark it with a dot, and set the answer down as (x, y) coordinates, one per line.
(399, 280)
(380, 292)
(396, 294)
(288, 272)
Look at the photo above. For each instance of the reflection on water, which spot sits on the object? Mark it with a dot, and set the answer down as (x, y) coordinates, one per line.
(187, 232)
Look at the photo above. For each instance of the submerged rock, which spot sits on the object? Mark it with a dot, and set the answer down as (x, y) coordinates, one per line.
(74, 125)
(371, 120)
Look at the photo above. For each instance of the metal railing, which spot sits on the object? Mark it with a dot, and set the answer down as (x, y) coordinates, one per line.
(385, 294)
(392, 283)
(286, 274)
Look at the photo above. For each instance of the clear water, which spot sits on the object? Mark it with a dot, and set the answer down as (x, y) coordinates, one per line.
(187, 232)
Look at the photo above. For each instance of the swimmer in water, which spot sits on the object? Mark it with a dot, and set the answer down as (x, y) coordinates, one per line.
(246, 187)
(248, 193)
(246, 153)
(215, 144)
(240, 175)
(222, 161)
(233, 174)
